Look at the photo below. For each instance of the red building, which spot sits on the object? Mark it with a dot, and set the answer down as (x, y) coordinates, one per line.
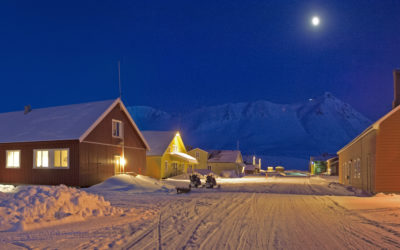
(76, 145)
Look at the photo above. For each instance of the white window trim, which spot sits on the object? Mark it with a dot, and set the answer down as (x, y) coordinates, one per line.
(121, 132)
(51, 158)
(19, 154)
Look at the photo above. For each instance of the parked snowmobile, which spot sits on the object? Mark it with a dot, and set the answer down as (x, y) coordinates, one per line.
(210, 181)
(194, 181)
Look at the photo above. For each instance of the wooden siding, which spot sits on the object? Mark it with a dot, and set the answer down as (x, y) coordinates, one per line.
(203, 155)
(218, 167)
(103, 131)
(364, 149)
(388, 155)
(26, 174)
(98, 149)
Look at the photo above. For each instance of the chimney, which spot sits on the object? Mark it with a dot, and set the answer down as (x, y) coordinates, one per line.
(259, 163)
(254, 160)
(396, 82)
(27, 109)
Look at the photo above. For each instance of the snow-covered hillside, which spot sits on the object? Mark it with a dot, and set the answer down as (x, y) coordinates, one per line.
(283, 134)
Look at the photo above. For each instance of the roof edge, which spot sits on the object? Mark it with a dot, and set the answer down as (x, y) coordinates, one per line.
(105, 113)
(365, 132)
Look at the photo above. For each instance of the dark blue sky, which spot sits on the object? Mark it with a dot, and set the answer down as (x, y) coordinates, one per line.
(179, 55)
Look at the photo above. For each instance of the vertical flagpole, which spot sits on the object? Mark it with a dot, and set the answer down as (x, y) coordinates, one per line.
(123, 134)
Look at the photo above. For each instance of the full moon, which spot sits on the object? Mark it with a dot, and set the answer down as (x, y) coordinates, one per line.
(315, 21)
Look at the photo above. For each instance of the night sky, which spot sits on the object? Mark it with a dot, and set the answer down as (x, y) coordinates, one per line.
(180, 55)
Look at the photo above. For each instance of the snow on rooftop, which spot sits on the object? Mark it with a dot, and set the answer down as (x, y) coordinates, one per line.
(158, 141)
(223, 155)
(67, 122)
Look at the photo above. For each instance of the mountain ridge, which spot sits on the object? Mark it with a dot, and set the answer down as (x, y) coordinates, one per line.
(272, 131)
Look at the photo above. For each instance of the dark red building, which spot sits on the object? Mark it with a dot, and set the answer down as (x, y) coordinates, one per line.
(76, 145)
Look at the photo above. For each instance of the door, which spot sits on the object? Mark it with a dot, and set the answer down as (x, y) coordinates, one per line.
(117, 165)
(369, 173)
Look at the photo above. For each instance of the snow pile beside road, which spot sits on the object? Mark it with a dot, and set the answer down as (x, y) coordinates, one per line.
(131, 184)
(6, 188)
(39, 206)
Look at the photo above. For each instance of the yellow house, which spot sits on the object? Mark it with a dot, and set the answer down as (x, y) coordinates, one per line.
(225, 160)
(167, 155)
(201, 157)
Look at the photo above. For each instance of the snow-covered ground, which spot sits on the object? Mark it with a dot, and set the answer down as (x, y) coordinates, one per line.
(245, 213)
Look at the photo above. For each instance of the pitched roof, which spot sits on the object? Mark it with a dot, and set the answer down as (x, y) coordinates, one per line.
(374, 126)
(68, 122)
(223, 155)
(158, 141)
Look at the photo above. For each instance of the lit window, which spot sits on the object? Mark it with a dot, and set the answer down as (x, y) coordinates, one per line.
(42, 158)
(174, 148)
(13, 157)
(117, 128)
(61, 158)
(51, 158)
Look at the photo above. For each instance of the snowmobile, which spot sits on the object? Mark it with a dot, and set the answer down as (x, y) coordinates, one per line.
(194, 181)
(210, 181)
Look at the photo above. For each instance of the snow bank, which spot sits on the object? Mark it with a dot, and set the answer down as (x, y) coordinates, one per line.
(132, 184)
(33, 207)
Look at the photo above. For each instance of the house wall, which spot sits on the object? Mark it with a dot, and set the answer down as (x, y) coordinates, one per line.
(99, 148)
(218, 167)
(388, 155)
(203, 158)
(153, 168)
(364, 150)
(26, 174)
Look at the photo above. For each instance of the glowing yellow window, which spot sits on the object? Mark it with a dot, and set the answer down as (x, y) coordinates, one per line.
(13, 158)
(42, 158)
(61, 158)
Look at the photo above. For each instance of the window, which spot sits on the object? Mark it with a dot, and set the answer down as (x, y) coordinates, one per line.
(166, 166)
(357, 169)
(42, 158)
(61, 158)
(13, 158)
(174, 148)
(117, 130)
(209, 167)
(198, 155)
(51, 158)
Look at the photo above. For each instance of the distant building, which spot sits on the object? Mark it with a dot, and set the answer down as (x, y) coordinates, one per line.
(332, 165)
(167, 155)
(201, 157)
(225, 160)
(76, 145)
(253, 168)
(319, 164)
(371, 161)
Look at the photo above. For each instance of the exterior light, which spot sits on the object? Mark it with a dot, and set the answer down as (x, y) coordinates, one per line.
(122, 161)
(177, 134)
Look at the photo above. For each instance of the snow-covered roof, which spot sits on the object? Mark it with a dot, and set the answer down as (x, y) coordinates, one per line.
(158, 141)
(223, 155)
(68, 122)
(250, 167)
(185, 156)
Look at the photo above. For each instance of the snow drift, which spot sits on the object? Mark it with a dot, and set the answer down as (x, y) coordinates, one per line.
(38, 206)
(132, 184)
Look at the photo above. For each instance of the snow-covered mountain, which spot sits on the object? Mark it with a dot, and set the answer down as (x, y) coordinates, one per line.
(283, 134)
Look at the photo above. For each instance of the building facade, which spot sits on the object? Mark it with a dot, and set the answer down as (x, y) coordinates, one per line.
(76, 145)
(372, 160)
(167, 156)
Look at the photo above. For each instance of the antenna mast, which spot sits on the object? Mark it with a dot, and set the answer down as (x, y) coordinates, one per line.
(119, 79)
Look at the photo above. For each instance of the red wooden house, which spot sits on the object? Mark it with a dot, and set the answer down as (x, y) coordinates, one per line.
(76, 145)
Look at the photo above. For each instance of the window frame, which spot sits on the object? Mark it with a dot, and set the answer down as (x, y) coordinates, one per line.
(51, 158)
(19, 156)
(121, 129)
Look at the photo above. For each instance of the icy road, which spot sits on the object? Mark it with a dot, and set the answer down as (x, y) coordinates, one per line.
(293, 213)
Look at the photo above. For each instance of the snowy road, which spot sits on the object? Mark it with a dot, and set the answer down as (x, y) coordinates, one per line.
(245, 220)
(246, 213)
(262, 221)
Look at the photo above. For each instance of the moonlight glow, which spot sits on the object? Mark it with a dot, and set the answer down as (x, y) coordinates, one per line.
(315, 21)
